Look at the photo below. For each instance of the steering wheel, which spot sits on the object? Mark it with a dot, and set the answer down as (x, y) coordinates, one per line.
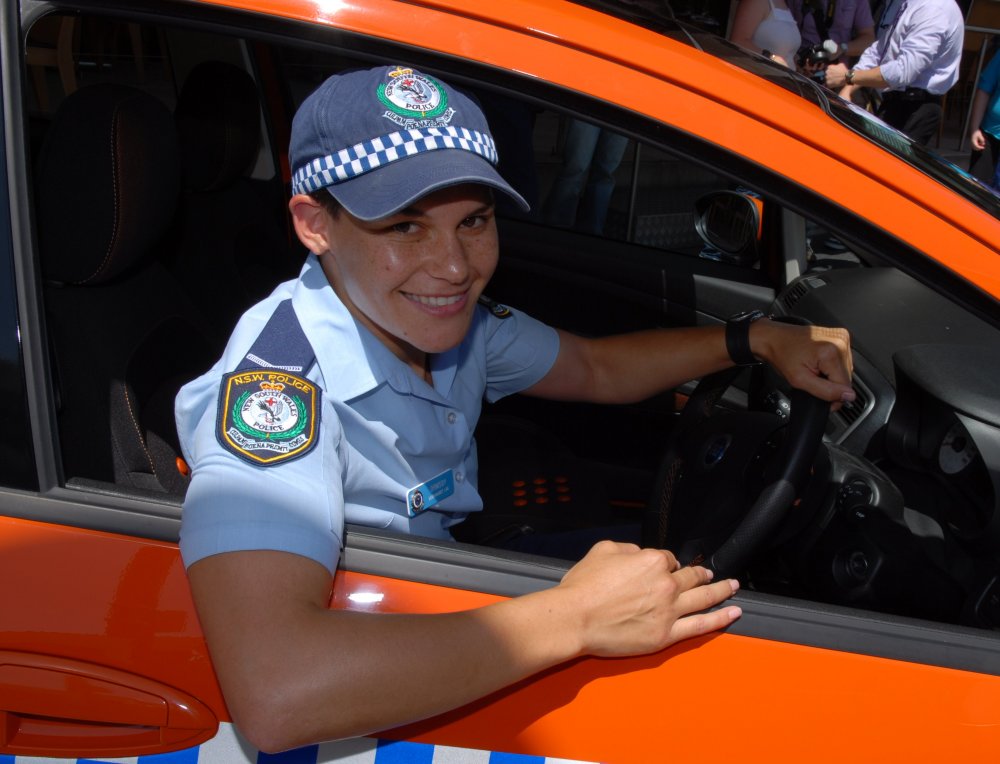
(717, 463)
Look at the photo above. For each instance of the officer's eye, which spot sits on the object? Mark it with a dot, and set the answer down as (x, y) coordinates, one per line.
(405, 227)
(476, 221)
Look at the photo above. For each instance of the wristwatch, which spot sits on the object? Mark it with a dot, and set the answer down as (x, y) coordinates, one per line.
(849, 76)
(738, 337)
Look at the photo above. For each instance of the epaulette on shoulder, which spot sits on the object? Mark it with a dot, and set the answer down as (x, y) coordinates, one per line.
(269, 411)
(498, 310)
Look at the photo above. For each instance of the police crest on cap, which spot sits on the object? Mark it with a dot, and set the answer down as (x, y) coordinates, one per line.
(266, 417)
(414, 99)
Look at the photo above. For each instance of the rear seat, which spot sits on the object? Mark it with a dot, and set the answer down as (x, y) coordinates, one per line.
(233, 240)
(123, 333)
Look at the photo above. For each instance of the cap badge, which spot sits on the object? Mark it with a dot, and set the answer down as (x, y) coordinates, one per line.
(414, 100)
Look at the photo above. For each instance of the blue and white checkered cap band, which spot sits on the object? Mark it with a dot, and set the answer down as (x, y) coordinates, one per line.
(361, 158)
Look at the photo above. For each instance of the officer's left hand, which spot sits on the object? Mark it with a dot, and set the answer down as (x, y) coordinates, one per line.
(816, 359)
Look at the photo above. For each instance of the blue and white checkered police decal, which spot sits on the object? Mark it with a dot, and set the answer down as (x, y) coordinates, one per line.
(229, 747)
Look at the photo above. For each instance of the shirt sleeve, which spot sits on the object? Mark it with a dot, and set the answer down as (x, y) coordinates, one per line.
(232, 505)
(869, 58)
(520, 350)
(922, 37)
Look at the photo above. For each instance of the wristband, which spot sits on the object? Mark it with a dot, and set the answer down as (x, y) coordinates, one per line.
(849, 76)
(738, 337)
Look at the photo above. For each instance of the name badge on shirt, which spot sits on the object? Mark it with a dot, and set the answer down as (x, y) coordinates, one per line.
(428, 494)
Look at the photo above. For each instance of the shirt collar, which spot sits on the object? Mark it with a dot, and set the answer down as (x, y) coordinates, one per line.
(333, 333)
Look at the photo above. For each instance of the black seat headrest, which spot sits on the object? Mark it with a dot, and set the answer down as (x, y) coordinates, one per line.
(107, 183)
(218, 122)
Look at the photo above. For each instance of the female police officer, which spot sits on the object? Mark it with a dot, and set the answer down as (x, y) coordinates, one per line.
(351, 394)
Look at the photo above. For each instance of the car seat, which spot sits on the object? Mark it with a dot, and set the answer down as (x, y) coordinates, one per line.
(233, 233)
(124, 336)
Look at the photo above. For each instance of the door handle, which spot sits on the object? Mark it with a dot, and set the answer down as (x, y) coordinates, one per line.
(53, 706)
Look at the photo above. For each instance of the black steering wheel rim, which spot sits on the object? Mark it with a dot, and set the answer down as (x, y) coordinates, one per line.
(803, 435)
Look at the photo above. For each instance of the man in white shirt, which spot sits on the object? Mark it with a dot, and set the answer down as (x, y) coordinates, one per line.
(914, 62)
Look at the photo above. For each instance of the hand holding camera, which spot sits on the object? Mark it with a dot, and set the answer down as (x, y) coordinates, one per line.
(813, 59)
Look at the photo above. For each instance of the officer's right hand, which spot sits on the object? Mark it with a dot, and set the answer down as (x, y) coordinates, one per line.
(632, 601)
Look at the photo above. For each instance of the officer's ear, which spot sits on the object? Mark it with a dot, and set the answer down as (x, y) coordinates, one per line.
(310, 219)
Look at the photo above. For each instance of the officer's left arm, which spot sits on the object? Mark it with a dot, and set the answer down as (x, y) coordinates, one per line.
(632, 367)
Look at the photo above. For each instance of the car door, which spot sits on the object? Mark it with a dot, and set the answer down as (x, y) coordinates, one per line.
(101, 655)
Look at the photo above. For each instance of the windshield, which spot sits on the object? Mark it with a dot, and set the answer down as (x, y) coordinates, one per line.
(658, 17)
(922, 157)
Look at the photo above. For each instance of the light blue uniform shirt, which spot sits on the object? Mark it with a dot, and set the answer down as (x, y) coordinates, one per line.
(918, 45)
(383, 431)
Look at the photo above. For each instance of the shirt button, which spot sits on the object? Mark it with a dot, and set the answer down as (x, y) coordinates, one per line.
(459, 477)
(452, 417)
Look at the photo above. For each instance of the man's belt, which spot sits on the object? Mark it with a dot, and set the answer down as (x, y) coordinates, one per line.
(911, 94)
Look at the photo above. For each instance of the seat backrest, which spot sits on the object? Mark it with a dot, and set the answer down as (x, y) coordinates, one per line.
(233, 238)
(123, 333)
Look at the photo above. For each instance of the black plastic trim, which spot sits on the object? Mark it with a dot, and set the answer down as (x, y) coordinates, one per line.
(107, 511)
(17, 465)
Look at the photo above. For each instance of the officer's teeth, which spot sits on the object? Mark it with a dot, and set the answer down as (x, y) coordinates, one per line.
(437, 302)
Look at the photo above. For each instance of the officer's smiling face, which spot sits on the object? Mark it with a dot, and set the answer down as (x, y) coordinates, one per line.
(414, 278)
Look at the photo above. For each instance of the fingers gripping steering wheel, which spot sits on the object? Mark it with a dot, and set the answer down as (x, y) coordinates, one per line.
(716, 460)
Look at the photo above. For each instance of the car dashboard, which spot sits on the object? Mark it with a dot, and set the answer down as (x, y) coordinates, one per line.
(907, 519)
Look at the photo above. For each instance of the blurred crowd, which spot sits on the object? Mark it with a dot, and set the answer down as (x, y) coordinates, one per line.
(896, 58)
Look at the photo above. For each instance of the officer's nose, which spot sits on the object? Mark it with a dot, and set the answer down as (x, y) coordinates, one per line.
(450, 261)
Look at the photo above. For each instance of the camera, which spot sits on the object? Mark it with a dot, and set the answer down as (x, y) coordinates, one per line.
(817, 56)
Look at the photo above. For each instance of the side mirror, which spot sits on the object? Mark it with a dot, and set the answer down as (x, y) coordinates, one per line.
(730, 222)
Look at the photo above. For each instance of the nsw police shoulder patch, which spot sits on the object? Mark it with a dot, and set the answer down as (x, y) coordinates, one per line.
(268, 416)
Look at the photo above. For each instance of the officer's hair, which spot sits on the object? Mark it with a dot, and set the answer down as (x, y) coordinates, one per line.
(326, 200)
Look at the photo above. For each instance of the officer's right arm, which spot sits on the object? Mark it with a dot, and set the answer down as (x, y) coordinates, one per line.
(294, 672)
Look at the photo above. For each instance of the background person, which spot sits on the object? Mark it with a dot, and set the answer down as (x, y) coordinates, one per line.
(847, 22)
(984, 122)
(767, 27)
(351, 394)
(581, 193)
(914, 62)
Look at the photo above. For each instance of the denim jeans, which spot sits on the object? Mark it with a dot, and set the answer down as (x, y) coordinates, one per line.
(591, 157)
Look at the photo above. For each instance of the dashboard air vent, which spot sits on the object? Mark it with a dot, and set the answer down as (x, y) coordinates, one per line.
(799, 289)
(852, 412)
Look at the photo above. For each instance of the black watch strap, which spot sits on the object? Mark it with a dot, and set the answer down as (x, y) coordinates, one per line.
(738, 337)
